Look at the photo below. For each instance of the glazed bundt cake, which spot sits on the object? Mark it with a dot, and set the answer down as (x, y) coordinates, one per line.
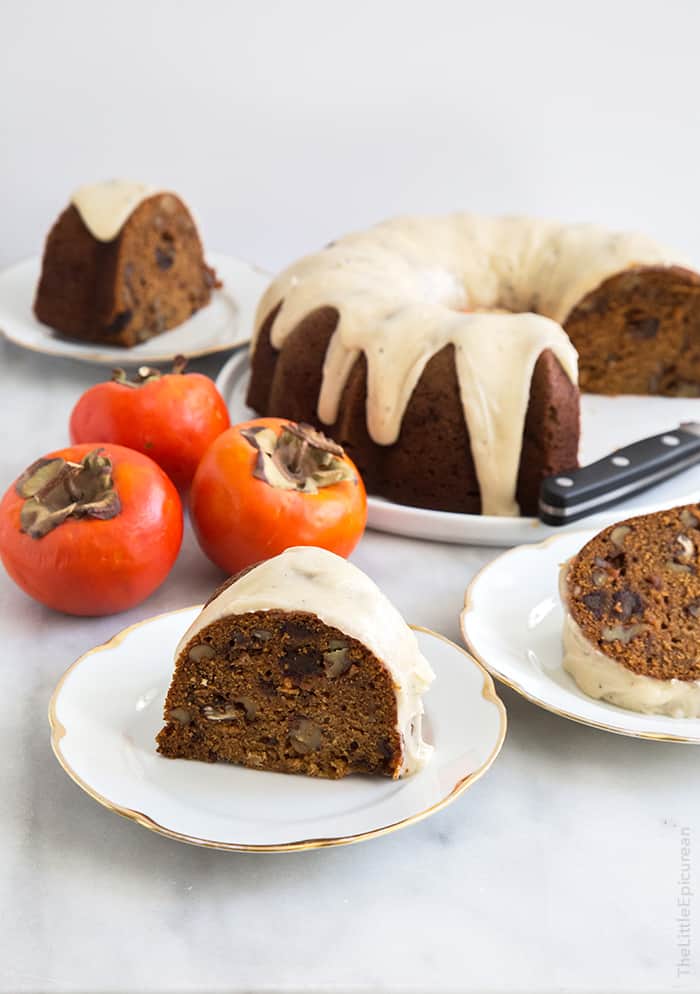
(121, 264)
(632, 614)
(432, 349)
(299, 664)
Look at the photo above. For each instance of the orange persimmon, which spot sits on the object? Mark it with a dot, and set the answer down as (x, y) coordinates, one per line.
(91, 529)
(268, 484)
(171, 417)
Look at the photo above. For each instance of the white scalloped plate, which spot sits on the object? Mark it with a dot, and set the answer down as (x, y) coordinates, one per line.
(107, 709)
(608, 423)
(512, 623)
(226, 322)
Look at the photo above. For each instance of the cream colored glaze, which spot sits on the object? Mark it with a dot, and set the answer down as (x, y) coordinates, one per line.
(305, 578)
(105, 207)
(399, 289)
(603, 678)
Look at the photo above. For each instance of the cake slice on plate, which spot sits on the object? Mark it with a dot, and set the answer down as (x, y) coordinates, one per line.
(299, 664)
(632, 614)
(122, 263)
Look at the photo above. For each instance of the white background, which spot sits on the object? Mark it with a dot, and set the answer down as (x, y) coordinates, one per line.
(286, 124)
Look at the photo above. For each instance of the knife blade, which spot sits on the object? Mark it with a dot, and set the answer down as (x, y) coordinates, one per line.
(576, 493)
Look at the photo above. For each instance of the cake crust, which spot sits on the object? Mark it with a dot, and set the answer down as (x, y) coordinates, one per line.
(423, 468)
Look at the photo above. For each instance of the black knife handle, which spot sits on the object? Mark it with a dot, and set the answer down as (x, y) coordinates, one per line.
(576, 493)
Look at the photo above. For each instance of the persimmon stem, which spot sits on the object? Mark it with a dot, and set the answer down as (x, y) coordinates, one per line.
(147, 374)
(299, 458)
(57, 489)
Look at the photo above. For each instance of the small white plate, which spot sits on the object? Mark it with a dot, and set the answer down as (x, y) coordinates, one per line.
(108, 707)
(512, 623)
(608, 423)
(226, 322)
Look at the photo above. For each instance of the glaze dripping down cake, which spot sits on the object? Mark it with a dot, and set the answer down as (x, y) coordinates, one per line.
(299, 665)
(632, 614)
(122, 263)
(435, 349)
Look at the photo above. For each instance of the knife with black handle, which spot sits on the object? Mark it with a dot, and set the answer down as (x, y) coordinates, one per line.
(576, 493)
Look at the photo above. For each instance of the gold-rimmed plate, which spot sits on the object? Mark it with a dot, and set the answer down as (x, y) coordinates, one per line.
(225, 323)
(107, 709)
(512, 623)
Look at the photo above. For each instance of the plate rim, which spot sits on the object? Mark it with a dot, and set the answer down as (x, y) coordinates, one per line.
(103, 358)
(59, 731)
(469, 609)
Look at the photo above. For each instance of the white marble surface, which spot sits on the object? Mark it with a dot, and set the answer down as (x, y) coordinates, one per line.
(558, 871)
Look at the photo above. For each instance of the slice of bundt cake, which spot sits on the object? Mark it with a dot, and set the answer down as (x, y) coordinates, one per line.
(121, 264)
(299, 664)
(632, 614)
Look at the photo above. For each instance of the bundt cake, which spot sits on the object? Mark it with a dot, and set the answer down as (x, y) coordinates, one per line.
(432, 349)
(632, 614)
(121, 264)
(299, 664)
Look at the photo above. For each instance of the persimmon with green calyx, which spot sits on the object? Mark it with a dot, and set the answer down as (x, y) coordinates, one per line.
(91, 529)
(171, 417)
(269, 484)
